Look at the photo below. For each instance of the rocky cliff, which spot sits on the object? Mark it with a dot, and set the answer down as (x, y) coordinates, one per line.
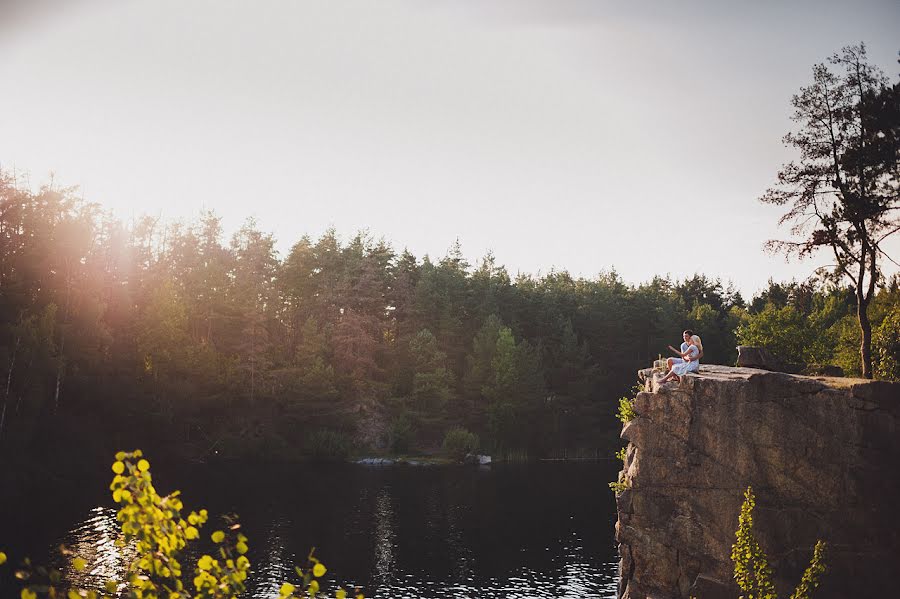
(822, 455)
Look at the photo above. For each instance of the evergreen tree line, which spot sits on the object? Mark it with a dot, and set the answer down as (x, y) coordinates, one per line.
(190, 343)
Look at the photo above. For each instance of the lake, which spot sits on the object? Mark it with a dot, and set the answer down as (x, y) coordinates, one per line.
(530, 530)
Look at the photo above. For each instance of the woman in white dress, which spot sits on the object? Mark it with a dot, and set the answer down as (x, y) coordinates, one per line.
(687, 334)
(690, 362)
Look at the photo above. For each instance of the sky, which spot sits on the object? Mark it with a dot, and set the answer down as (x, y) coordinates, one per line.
(561, 134)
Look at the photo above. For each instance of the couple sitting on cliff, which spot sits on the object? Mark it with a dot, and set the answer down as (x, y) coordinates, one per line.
(689, 360)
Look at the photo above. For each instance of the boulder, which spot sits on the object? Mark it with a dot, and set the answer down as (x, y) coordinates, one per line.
(375, 461)
(757, 357)
(823, 370)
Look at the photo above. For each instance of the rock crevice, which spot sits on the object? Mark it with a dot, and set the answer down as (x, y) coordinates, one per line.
(822, 455)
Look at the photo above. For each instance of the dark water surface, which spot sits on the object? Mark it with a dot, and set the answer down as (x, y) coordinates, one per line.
(537, 530)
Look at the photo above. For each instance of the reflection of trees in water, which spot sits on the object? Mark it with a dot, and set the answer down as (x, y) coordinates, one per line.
(385, 537)
(449, 507)
(460, 554)
(94, 540)
(442, 533)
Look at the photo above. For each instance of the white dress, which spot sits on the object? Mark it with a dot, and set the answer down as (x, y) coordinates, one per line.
(684, 348)
(683, 367)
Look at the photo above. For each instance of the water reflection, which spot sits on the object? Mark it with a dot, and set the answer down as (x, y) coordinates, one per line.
(384, 538)
(536, 531)
(94, 540)
(460, 554)
(278, 565)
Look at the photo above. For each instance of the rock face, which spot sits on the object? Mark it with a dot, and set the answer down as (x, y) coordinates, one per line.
(822, 455)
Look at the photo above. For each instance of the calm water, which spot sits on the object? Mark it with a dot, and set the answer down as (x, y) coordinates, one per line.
(541, 530)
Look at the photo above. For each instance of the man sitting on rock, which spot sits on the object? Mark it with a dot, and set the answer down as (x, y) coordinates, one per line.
(691, 352)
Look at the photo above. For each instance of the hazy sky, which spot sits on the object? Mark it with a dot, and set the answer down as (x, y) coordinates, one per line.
(582, 135)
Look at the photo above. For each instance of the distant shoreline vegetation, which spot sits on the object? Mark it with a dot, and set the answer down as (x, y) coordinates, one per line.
(170, 337)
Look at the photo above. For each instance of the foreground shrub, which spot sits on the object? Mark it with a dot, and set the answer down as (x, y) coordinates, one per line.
(459, 442)
(751, 566)
(154, 528)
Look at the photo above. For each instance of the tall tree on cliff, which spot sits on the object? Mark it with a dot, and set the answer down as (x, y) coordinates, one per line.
(842, 193)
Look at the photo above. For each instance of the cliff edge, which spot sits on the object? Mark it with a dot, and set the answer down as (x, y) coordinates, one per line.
(822, 455)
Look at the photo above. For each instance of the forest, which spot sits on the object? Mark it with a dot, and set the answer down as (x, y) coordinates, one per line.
(169, 336)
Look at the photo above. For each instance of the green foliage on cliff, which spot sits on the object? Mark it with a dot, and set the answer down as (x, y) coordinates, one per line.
(158, 535)
(625, 414)
(622, 481)
(752, 571)
(620, 485)
(626, 411)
